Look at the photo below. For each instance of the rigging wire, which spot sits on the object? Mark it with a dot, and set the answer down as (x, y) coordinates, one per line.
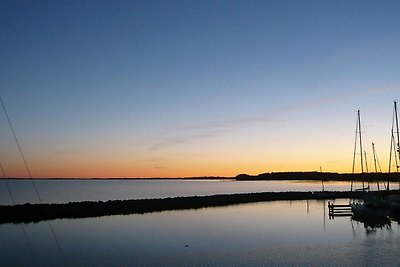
(7, 185)
(377, 165)
(367, 152)
(355, 149)
(22, 226)
(31, 178)
(366, 140)
(377, 160)
(20, 150)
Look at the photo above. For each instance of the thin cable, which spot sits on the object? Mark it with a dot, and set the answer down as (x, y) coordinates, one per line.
(58, 244)
(377, 165)
(22, 226)
(366, 149)
(355, 148)
(7, 185)
(20, 150)
(31, 178)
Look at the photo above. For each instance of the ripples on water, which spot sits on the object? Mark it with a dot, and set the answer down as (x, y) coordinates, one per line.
(281, 233)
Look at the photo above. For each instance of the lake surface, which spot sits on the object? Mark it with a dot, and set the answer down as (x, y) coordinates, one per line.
(280, 233)
(62, 191)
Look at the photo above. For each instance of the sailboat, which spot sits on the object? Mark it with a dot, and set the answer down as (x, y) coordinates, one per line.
(393, 201)
(372, 207)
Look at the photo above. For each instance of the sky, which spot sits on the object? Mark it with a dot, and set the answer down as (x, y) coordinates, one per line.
(195, 88)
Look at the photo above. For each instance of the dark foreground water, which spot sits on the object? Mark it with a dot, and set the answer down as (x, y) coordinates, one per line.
(62, 191)
(282, 233)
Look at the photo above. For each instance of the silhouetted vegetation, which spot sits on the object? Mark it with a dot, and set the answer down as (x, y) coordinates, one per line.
(36, 212)
(325, 176)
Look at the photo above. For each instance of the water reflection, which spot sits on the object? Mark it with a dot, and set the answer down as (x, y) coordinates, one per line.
(281, 233)
(373, 223)
(371, 220)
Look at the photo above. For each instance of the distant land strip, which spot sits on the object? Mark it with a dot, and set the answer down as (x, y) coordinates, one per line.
(322, 176)
(27, 213)
(272, 176)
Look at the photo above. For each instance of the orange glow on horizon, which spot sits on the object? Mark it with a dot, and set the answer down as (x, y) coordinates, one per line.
(170, 169)
(220, 157)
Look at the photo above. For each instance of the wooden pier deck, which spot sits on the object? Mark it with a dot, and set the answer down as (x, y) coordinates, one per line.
(336, 210)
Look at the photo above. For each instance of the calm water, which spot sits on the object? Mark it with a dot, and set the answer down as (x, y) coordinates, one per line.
(60, 191)
(282, 233)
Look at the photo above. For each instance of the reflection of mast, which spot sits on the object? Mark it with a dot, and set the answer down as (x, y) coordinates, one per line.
(358, 139)
(324, 214)
(394, 141)
(322, 179)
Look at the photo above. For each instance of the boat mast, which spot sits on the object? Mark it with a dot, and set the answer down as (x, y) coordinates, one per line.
(358, 139)
(397, 134)
(394, 141)
(397, 149)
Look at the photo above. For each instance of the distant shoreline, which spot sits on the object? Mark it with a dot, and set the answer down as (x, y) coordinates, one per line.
(124, 178)
(320, 176)
(272, 176)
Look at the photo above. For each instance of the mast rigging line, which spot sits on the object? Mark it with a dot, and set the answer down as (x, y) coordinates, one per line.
(31, 178)
(377, 165)
(7, 185)
(20, 150)
(22, 226)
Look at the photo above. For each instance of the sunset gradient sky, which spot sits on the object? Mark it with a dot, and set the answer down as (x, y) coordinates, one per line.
(195, 88)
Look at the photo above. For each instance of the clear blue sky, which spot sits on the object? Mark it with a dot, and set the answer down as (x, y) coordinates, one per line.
(185, 88)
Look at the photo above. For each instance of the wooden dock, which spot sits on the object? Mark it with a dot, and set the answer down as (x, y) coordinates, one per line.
(336, 210)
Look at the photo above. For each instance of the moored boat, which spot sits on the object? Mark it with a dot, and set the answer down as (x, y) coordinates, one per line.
(369, 210)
